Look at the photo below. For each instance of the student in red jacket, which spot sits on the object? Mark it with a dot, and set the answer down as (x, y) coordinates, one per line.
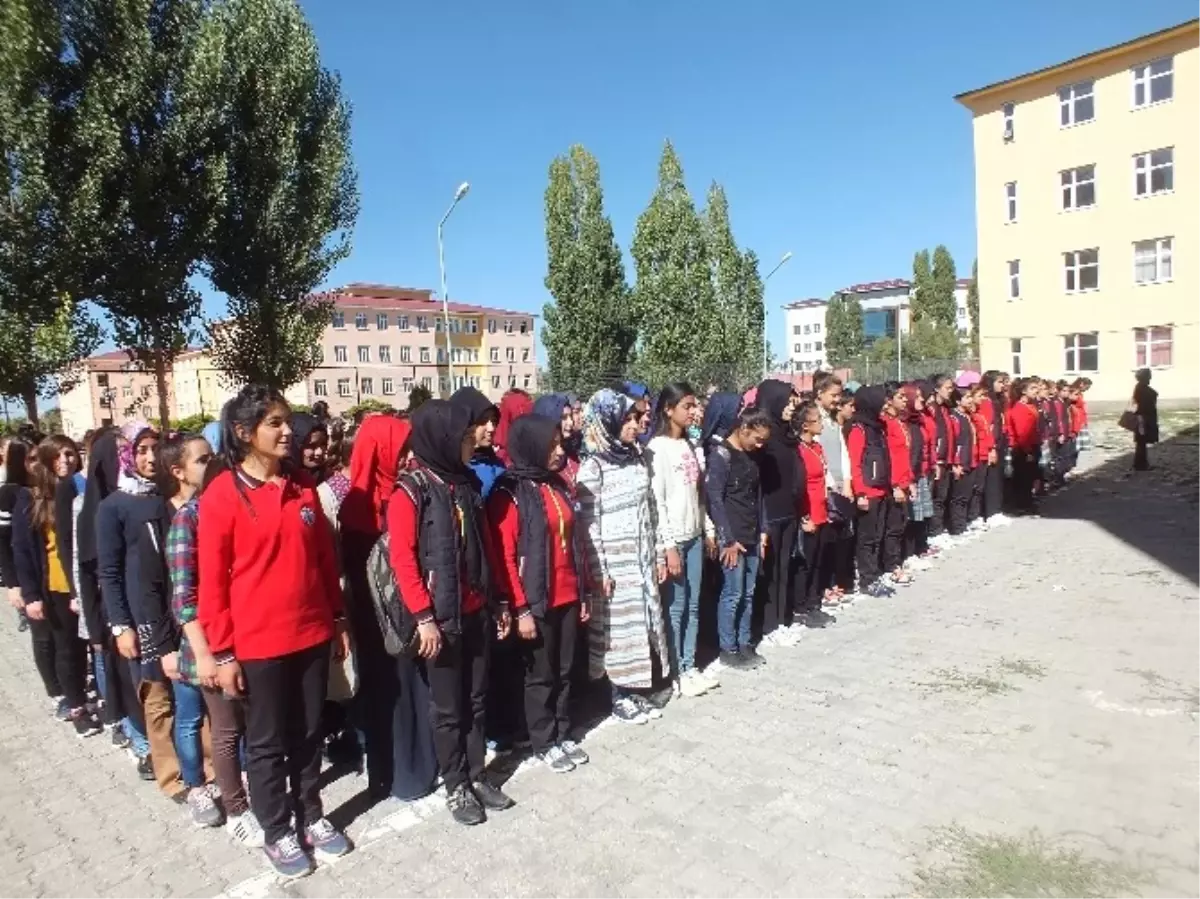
(439, 551)
(270, 604)
(816, 538)
(985, 455)
(993, 403)
(532, 521)
(921, 438)
(942, 427)
(870, 476)
(1024, 426)
(903, 485)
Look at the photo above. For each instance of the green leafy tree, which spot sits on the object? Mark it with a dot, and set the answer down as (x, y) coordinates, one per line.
(927, 340)
(418, 396)
(39, 360)
(737, 335)
(973, 308)
(943, 309)
(285, 188)
(369, 406)
(673, 297)
(589, 331)
(921, 301)
(844, 339)
(145, 111)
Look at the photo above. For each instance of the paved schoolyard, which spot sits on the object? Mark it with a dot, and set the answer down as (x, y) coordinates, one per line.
(1032, 699)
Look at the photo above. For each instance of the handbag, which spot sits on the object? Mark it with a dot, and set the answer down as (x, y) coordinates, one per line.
(841, 507)
(1129, 418)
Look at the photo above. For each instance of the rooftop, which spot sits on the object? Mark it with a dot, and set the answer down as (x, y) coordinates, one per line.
(893, 284)
(806, 304)
(1138, 43)
(407, 299)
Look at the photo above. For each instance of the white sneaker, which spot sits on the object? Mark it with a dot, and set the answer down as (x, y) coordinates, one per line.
(246, 830)
(691, 684)
(785, 636)
(709, 675)
(1000, 520)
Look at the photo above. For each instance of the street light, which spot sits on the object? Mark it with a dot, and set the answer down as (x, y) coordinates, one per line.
(778, 266)
(458, 195)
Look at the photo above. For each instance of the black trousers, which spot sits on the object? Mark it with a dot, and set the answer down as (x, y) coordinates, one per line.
(1025, 472)
(961, 489)
(818, 566)
(869, 549)
(993, 489)
(458, 686)
(940, 490)
(91, 605)
(1141, 458)
(58, 653)
(779, 579)
(548, 662)
(916, 537)
(894, 521)
(842, 552)
(284, 699)
(975, 499)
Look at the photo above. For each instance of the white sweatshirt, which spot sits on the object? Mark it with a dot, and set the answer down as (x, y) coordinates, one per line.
(676, 484)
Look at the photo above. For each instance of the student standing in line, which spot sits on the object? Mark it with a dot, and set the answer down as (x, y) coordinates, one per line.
(779, 577)
(962, 486)
(942, 426)
(827, 390)
(485, 418)
(310, 445)
(902, 484)
(813, 511)
(532, 519)
(870, 473)
(985, 457)
(627, 629)
(513, 405)
(844, 571)
(733, 492)
(271, 607)
(562, 406)
(992, 407)
(1023, 425)
(676, 482)
(439, 550)
(16, 476)
(920, 504)
(59, 654)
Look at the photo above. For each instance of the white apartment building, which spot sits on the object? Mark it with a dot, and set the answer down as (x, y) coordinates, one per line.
(805, 334)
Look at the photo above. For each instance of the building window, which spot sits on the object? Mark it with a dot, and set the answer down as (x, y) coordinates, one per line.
(512, 380)
(524, 327)
(364, 354)
(406, 385)
(1082, 268)
(456, 356)
(381, 321)
(817, 346)
(1010, 201)
(441, 356)
(1014, 346)
(422, 324)
(360, 321)
(816, 329)
(388, 386)
(1079, 187)
(525, 355)
(1152, 261)
(443, 384)
(385, 353)
(1076, 104)
(339, 354)
(1009, 133)
(475, 355)
(456, 325)
(492, 328)
(425, 354)
(808, 347)
(508, 328)
(495, 354)
(366, 386)
(1014, 279)
(102, 379)
(527, 381)
(1154, 172)
(808, 329)
(405, 354)
(1153, 82)
(343, 387)
(495, 382)
(796, 329)
(339, 320)
(438, 325)
(472, 326)
(427, 383)
(796, 349)
(510, 354)
(1152, 347)
(1081, 352)
(402, 322)
(320, 387)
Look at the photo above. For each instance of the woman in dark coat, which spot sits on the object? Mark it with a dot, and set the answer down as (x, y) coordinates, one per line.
(1145, 400)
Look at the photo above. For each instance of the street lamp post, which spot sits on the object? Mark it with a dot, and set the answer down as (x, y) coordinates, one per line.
(778, 266)
(458, 195)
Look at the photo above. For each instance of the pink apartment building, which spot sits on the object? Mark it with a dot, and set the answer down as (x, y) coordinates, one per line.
(112, 391)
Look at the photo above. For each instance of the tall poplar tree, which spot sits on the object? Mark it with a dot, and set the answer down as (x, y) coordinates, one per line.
(944, 279)
(736, 349)
(844, 339)
(973, 308)
(921, 301)
(590, 328)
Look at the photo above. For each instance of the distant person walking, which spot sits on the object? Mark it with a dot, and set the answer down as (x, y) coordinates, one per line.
(1145, 401)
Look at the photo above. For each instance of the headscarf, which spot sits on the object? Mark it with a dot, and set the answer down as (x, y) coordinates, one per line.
(779, 463)
(636, 390)
(102, 476)
(552, 405)
(374, 468)
(513, 405)
(773, 397)
(133, 432)
(530, 439)
(868, 406)
(478, 405)
(603, 417)
(212, 433)
(719, 416)
(303, 425)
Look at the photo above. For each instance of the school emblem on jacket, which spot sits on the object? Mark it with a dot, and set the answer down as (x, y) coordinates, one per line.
(307, 515)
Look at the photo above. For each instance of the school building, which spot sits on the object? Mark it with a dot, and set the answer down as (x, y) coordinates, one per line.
(1087, 209)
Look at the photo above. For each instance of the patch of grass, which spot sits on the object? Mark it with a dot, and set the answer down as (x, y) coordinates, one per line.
(1164, 689)
(1024, 667)
(1030, 865)
(951, 679)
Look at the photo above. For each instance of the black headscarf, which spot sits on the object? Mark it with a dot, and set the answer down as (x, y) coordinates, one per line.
(773, 397)
(478, 405)
(719, 416)
(529, 442)
(868, 406)
(303, 425)
(103, 472)
(552, 405)
(779, 463)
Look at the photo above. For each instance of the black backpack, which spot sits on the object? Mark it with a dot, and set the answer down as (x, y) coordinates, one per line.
(396, 622)
(876, 464)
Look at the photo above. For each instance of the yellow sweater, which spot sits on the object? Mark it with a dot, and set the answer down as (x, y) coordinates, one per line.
(56, 575)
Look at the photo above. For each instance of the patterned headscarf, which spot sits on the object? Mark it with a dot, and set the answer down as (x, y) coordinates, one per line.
(132, 431)
(603, 417)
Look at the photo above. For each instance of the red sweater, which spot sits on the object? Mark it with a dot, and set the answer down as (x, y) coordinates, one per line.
(505, 525)
(985, 440)
(814, 501)
(1081, 407)
(899, 452)
(988, 409)
(1023, 424)
(406, 561)
(856, 445)
(270, 584)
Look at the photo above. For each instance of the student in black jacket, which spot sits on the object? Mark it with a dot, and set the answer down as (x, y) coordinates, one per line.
(17, 452)
(58, 652)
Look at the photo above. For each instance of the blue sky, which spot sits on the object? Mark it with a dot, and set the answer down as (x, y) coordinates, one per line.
(832, 126)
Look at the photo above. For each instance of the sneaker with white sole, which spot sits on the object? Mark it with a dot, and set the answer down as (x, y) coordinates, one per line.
(627, 711)
(205, 812)
(574, 752)
(647, 708)
(287, 857)
(691, 684)
(245, 829)
(325, 840)
(709, 675)
(999, 519)
(555, 758)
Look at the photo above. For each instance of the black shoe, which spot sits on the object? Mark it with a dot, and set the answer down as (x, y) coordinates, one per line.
(491, 797)
(751, 658)
(659, 698)
(119, 738)
(22, 621)
(816, 618)
(86, 724)
(464, 807)
(734, 661)
(145, 768)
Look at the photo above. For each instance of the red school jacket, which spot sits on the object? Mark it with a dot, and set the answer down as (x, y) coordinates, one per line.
(1024, 422)
(899, 452)
(505, 523)
(856, 445)
(814, 501)
(985, 440)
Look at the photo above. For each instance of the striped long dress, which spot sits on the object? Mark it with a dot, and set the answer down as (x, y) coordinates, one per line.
(618, 533)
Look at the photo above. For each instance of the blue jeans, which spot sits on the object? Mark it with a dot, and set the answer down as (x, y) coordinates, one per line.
(189, 716)
(100, 673)
(736, 602)
(681, 596)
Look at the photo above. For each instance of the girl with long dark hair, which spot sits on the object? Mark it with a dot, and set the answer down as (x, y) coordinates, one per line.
(271, 608)
(310, 445)
(438, 548)
(993, 406)
(17, 451)
(871, 478)
(941, 428)
(779, 579)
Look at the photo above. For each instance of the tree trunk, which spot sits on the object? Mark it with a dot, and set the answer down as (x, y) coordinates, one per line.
(29, 395)
(160, 381)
